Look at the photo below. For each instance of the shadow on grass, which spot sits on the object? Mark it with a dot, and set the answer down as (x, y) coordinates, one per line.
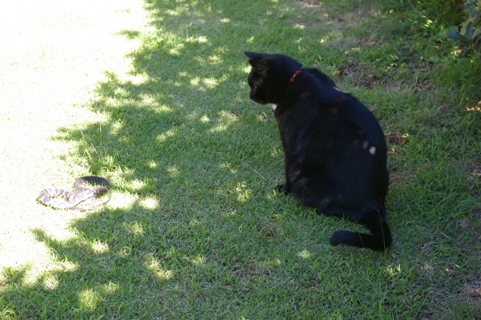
(191, 160)
(194, 229)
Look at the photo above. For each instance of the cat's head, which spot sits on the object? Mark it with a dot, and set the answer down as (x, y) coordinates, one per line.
(270, 76)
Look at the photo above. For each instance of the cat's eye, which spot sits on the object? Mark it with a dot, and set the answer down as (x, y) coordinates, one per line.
(254, 87)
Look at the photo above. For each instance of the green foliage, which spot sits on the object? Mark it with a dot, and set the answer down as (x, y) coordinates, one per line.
(469, 34)
(420, 31)
(428, 17)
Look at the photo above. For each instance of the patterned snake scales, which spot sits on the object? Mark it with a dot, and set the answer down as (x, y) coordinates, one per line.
(83, 198)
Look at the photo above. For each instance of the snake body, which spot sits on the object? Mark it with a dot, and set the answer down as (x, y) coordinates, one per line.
(83, 197)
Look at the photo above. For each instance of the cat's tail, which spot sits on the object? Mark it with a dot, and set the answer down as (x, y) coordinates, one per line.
(375, 221)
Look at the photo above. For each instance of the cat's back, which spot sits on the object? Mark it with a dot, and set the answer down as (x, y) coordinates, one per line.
(314, 103)
(345, 104)
(322, 78)
(334, 110)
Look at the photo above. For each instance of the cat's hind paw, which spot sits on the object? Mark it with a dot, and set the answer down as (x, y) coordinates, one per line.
(337, 238)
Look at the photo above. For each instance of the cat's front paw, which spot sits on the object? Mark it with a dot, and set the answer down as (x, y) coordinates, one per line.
(282, 189)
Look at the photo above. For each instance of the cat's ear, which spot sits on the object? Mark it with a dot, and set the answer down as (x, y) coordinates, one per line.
(253, 55)
(256, 61)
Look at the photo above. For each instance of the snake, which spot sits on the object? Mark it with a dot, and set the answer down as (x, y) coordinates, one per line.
(82, 198)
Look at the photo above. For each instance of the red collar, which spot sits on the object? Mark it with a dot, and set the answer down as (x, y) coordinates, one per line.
(294, 75)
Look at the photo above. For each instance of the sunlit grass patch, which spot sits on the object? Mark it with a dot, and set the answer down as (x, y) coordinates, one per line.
(195, 228)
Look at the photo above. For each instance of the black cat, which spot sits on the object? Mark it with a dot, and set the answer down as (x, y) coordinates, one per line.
(335, 152)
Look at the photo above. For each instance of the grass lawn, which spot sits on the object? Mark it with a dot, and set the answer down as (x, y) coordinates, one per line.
(153, 96)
